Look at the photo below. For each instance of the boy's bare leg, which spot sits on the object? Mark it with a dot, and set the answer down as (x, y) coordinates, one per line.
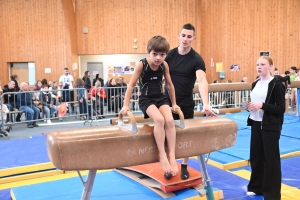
(159, 135)
(170, 135)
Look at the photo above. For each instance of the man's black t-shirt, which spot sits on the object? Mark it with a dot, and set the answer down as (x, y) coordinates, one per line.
(183, 73)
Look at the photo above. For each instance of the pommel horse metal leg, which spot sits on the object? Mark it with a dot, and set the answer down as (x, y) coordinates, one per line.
(206, 180)
(88, 184)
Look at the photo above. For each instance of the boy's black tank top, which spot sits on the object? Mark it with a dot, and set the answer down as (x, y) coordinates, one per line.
(150, 81)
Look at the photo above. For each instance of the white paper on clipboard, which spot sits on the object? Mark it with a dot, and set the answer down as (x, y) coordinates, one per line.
(244, 104)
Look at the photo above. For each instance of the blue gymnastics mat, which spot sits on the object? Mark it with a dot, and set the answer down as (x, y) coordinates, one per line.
(290, 171)
(289, 140)
(112, 185)
(23, 152)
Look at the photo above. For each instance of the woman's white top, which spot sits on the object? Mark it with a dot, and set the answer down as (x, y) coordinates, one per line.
(259, 94)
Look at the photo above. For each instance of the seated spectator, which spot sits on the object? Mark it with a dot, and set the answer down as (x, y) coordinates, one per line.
(56, 93)
(27, 105)
(3, 112)
(47, 103)
(36, 95)
(97, 94)
(10, 100)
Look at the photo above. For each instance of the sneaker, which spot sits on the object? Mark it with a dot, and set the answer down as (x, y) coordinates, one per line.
(250, 193)
(29, 126)
(60, 119)
(48, 121)
(35, 124)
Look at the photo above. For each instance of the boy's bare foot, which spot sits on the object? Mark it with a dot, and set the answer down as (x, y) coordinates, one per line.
(174, 166)
(165, 165)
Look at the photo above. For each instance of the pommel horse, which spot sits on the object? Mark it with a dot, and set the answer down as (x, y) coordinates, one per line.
(98, 148)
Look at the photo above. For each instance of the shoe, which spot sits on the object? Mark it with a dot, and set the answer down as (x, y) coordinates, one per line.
(18, 120)
(35, 124)
(81, 118)
(29, 126)
(90, 118)
(250, 193)
(102, 117)
(60, 119)
(48, 121)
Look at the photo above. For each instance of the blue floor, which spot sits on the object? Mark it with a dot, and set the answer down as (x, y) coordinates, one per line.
(31, 151)
(290, 171)
(111, 184)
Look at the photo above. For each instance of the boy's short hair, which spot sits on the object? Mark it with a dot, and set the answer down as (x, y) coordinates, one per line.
(158, 44)
(43, 86)
(189, 27)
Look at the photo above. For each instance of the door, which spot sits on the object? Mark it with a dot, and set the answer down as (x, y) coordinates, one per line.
(95, 68)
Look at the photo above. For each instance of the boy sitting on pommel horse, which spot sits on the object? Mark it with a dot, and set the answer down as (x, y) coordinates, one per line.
(153, 102)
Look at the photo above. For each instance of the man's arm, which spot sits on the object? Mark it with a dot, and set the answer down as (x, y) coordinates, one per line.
(203, 90)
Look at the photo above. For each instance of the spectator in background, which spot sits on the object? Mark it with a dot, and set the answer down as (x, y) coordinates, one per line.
(97, 94)
(285, 79)
(98, 78)
(66, 82)
(293, 76)
(47, 103)
(28, 106)
(56, 93)
(36, 95)
(244, 79)
(15, 79)
(276, 72)
(122, 90)
(82, 99)
(287, 73)
(112, 96)
(10, 100)
(87, 80)
(45, 82)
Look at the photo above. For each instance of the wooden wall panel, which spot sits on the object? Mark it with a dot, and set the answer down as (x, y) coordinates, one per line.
(234, 32)
(37, 30)
(114, 24)
(230, 31)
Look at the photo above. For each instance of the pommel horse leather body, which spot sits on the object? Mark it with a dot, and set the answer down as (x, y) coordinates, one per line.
(113, 147)
(124, 145)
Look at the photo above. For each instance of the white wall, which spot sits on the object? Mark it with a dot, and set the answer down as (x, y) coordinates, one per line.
(106, 60)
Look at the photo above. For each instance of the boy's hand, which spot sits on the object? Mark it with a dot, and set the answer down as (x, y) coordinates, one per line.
(174, 108)
(124, 110)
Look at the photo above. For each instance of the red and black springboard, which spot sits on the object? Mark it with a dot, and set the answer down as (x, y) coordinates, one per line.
(152, 176)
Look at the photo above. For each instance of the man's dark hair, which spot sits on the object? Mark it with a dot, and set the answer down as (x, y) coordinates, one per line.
(86, 73)
(66, 68)
(189, 27)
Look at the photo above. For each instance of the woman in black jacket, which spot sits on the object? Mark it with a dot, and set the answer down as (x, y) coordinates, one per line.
(266, 108)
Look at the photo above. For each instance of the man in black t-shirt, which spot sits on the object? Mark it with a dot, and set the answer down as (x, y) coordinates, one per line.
(186, 65)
